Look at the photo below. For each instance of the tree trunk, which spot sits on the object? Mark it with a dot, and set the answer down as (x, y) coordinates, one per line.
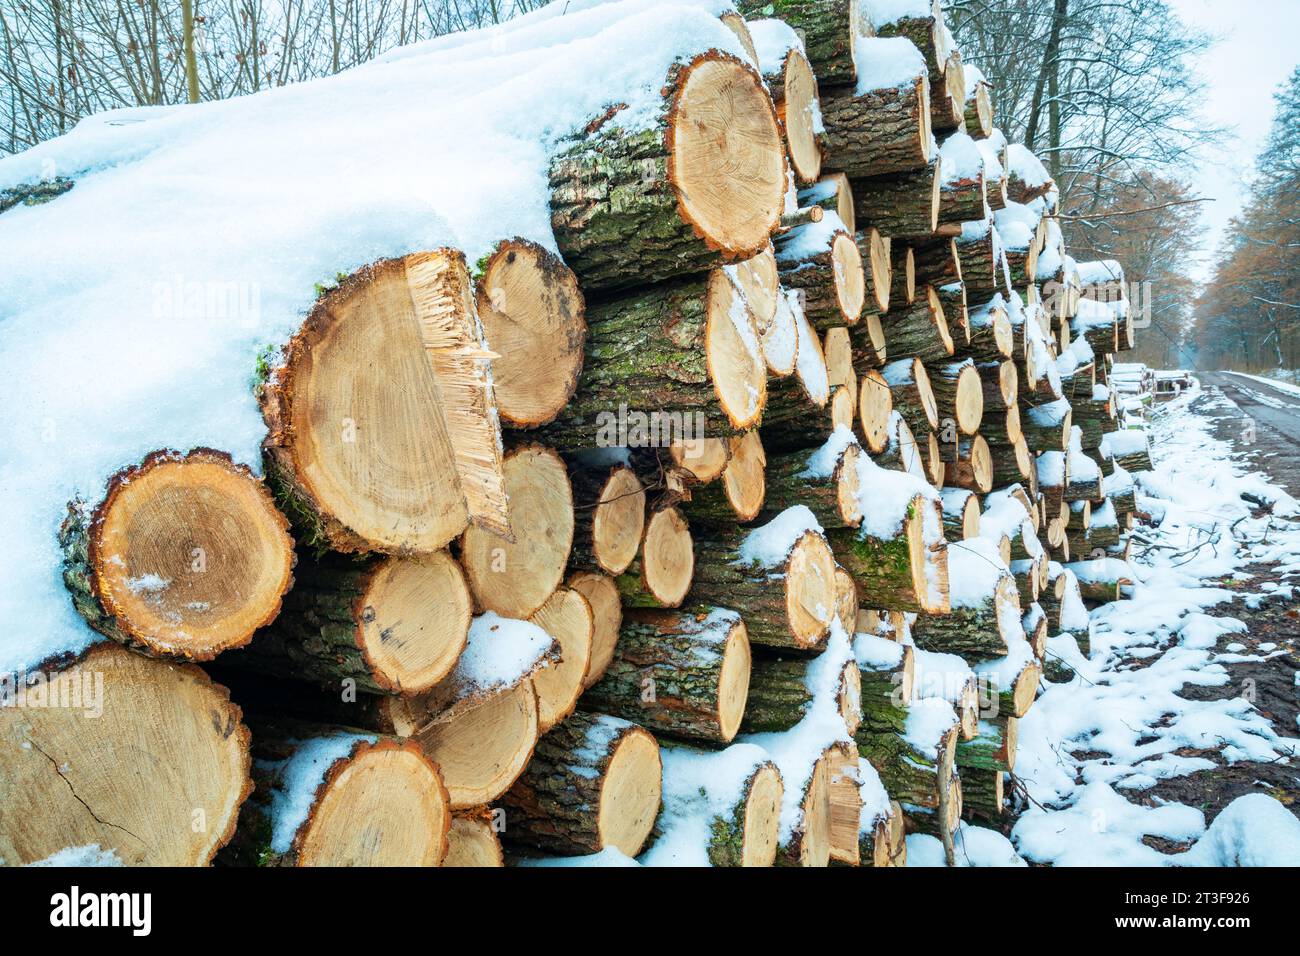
(636, 206)
(678, 673)
(671, 362)
(786, 601)
(903, 204)
(779, 695)
(877, 132)
(826, 266)
(386, 624)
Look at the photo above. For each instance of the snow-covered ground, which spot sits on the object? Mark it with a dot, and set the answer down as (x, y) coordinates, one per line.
(1090, 748)
(1279, 384)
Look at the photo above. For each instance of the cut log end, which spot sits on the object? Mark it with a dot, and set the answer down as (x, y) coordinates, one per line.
(736, 367)
(762, 817)
(533, 317)
(567, 617)
(796, 111)
(875, 406)
(186, 556)
(850, 277)
(704, 458)
(619, 521)
(168, 742)
(397, 792)
(472, 842)
(382, 435)
(743, 480)
(607, 619)
(723, 122)
(733, 681)
(514, 578)
(630, 793)
(667, 557)
(414, 621)
(483, 750)
(810, 598)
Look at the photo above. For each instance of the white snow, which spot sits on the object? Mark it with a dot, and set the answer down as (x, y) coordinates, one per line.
(960, 159)
(781, 339)
(974, 569)
(796, 751)
(875, 652)
(92, 854)
(928, 720)
(886, 63)
(810, 363)
(1133, 716)
(770, 544)
(972, 846)
(1253, 830)
(698, 786)
(499, 653)
(1026, 167)
(821, 463)
(773, 40)
(810, 239)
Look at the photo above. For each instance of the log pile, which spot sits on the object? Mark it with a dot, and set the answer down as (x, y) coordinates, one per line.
(732, 534)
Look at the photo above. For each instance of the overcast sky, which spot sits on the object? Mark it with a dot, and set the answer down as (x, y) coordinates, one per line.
(1257, 50)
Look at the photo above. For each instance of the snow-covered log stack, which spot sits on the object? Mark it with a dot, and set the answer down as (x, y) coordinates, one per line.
(725, 521)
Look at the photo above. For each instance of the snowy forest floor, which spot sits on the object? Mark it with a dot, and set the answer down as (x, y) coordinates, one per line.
(1189, 703)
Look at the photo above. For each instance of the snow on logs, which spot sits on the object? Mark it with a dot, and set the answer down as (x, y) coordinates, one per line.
(833, 32)
(185, 556)
(822, 260)
(780, 577)
(984, 612)
(700, 184)
(793, 87)
(880, 125)
(722, 808)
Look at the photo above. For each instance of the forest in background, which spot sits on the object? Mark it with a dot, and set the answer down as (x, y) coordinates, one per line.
(1105, 90)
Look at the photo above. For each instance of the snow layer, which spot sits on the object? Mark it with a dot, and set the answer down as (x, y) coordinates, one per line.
(770, 544)
(887, 62)
(1253, 830)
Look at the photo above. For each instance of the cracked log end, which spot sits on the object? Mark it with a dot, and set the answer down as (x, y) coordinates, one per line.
(168, 745)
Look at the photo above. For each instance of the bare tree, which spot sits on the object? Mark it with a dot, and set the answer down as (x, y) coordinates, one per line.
(63, 60)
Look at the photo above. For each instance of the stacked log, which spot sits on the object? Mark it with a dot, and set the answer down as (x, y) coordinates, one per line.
(732, 534)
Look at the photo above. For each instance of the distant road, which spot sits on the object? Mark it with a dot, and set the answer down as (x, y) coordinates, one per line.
(1267, 405)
